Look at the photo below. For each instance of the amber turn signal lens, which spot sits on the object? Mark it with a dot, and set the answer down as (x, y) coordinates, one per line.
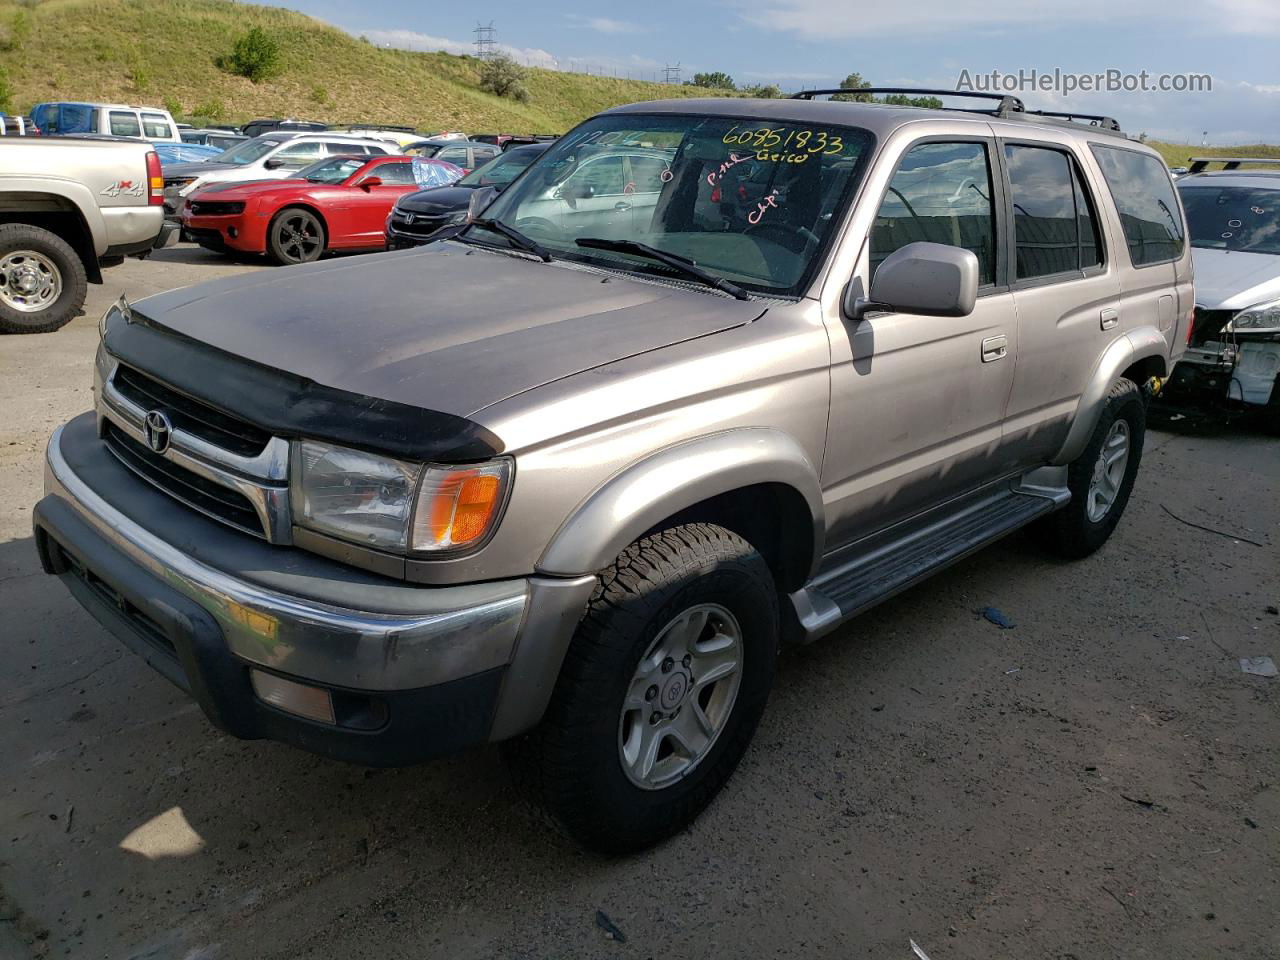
(457, 506)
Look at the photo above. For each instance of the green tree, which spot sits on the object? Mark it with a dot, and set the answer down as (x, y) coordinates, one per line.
(902, 100)
(504, 77)
(6, 92)
(765, 91)
(854, 81)
(256, 55)
(719, 80)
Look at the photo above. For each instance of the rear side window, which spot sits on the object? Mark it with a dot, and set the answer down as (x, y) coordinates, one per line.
(941, 193)
(1054, 227)
(124, 124)
(156, 127)
(454, 155)
(1140, 185)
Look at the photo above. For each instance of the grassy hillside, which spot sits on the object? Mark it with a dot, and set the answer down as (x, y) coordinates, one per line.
(1179, 154)
(161, 52)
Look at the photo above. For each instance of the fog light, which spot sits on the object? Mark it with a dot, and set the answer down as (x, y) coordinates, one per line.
(232, 232)
(310, 702)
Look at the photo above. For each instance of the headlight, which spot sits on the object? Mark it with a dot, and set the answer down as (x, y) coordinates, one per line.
(395, 505)
(459, 217)
(1260, 318)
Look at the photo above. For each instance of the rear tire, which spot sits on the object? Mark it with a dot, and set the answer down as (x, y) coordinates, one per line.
(295, 235)
(42, 281)
(683, 627)
(1101, 478)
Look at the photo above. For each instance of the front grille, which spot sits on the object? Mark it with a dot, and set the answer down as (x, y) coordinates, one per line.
(422, 226)
(214, 208)
(221, 503)
(191, 415)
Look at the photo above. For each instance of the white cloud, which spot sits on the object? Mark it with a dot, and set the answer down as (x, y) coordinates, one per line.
(413, 40)
(605, 24)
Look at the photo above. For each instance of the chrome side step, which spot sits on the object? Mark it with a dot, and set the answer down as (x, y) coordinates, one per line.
(889, 566)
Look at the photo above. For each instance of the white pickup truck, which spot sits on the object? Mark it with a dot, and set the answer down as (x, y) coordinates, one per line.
(68, 208)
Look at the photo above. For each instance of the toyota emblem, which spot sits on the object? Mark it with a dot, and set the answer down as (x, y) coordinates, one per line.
(158, 430)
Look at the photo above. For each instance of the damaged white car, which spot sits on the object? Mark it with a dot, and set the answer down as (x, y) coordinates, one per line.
(1233, 347)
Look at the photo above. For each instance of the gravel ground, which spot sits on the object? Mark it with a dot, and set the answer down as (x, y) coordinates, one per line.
(1101, 780)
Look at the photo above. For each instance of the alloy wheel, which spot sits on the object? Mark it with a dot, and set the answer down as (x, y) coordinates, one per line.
(1108, 472)
(680, 697)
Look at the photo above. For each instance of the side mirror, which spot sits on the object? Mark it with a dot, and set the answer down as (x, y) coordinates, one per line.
(481, 197)
(275, 163)
(368, 183)
(929, 279)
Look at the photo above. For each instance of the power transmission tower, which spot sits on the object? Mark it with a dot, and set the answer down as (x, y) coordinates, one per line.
(486, 45)
(671, 74)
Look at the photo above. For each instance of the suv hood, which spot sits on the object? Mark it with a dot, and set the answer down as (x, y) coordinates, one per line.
(1233, 279)
(448, 328)
(437, 200)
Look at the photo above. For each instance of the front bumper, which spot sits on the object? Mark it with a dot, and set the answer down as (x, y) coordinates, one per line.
(411, 671)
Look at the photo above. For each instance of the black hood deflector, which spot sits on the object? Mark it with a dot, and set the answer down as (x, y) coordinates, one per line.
(292, 406)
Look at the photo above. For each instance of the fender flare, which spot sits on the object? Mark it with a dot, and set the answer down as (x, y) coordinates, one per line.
(649, 491)
(1140, 343)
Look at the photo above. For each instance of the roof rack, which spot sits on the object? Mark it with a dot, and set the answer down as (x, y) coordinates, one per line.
(1198, 164)
(1007, 107)
(1006, 104)
(1093, 119)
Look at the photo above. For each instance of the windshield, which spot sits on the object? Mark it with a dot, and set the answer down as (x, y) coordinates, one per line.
(752, 201)
(248, 151)
(332, 169)
(1233, 218)
(501, 170)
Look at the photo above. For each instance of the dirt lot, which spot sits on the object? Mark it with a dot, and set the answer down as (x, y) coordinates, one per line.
(1102, 780)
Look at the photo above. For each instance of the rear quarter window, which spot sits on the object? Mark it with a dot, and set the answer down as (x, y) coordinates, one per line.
(156, 127)
(1144, 197)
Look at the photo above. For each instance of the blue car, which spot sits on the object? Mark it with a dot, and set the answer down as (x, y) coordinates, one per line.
(185, 152)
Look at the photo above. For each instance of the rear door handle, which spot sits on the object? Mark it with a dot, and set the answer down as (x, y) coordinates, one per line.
(622, 205)
(1109, 318)
(994, 348)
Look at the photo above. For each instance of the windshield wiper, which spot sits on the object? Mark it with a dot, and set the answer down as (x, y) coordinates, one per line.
(517, 238)
(673, 260)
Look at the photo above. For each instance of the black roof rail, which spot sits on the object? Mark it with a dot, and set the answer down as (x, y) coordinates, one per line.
(1006, 104)
(1198, 164)
(1093, 119)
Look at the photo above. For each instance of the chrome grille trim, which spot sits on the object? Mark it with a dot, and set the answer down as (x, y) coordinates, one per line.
(263, 480)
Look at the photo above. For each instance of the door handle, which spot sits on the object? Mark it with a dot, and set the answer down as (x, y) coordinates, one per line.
(1109, 318)
(622, 205)
(994, 348)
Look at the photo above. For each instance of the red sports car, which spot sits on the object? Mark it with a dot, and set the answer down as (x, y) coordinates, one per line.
(338, 203)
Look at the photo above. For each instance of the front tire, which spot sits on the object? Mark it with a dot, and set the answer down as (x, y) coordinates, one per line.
(42, 281)
(295, 235)
(1102, 477)
(661, 690)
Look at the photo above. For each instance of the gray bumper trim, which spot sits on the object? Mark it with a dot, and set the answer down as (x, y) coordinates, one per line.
(462, 630)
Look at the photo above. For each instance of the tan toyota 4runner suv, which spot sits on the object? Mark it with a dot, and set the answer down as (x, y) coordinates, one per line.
(711, 376)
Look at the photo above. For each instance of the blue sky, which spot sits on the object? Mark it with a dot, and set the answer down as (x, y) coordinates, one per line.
(923, 43)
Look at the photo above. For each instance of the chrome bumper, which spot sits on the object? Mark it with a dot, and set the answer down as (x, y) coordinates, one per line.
(453, 632)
